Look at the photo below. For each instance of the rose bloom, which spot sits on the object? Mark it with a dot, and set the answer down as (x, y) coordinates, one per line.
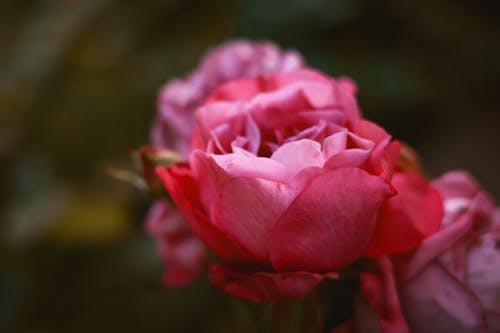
(288, 183)
(450, 283)
(173, 128)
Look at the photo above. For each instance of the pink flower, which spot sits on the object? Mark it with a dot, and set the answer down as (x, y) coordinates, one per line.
(287, 183)
(179, 98)
(174, 127)
(451, 282)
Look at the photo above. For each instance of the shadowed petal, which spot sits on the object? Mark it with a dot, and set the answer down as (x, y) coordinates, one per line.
(407, 218)
(264, 286)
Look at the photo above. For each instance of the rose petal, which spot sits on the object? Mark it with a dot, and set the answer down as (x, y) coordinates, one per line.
(434, 301)
(247, 209)
(382, 295)
(330, 223)
(298, 155)
(264, 286)
(179, 182)
(390, 159)
(436, 244)
(457, 184)
(183, 254)
(407, 218)
(241, 165)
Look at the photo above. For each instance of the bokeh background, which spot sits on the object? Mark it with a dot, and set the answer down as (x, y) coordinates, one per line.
(78, 85)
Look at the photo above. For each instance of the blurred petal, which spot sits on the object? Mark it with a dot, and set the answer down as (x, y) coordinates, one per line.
(407, 218)
(437, 244)
(182, 252)
(264, 286)
(434, 302)
(381, 293)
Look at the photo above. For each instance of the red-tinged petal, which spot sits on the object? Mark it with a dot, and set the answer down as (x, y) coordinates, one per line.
(385, 154)
(435, 301)
(390, 159)
(330, 223)
(407, 218)
(181, 251)
(381, 293)
(243, 89)
(266, 286)
(179, 183)
(247, 210)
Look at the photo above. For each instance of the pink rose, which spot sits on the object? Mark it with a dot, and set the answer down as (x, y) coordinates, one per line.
(287, 183)
(174, 127)
(179, 98)
(451, 282)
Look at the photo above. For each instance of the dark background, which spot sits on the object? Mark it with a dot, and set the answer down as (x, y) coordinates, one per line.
(78, 84)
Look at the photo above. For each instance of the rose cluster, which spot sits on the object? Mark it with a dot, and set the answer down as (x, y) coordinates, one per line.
(287, 184)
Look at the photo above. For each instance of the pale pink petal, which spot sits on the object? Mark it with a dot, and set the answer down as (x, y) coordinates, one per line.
(298, 155)
(434, 302)
(483, 271)
(335, 144)
(437, 243)
(242, 165)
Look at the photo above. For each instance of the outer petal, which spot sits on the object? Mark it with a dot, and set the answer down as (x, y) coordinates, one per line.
(413, 214)
(484, 278)
(330, 223)
(264, 286)
(434, 301)
(438, 243)
(180, 184)
(457, 184)
(247, 211)
(183, 254)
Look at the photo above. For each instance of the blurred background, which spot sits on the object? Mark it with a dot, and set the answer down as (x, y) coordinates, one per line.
(78, 85)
